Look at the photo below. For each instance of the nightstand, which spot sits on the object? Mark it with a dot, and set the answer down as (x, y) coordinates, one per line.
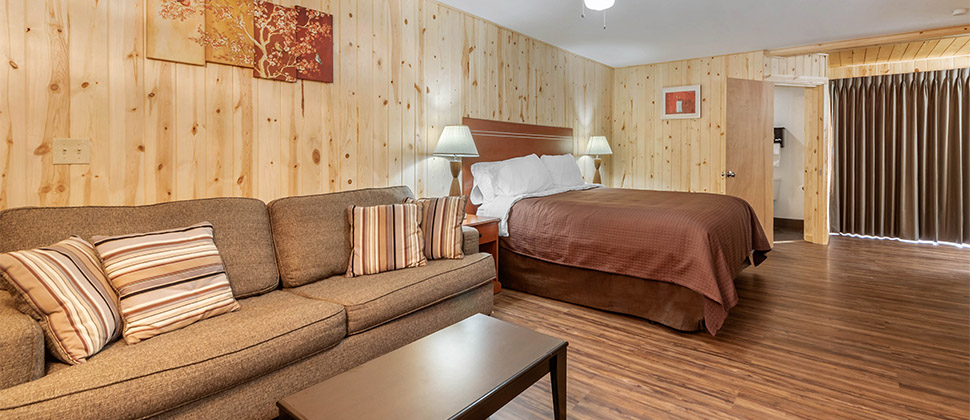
(487, 240)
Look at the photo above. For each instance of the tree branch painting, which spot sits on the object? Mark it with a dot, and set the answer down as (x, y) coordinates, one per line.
(169, 27)
(280, 43)
(314, 34)
(228, 34)
(275, 36)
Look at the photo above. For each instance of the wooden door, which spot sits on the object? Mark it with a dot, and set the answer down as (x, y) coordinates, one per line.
(748, 169)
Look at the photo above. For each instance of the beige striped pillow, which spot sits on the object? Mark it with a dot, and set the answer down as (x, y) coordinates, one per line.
(166, 280)
(64, 287)
(385, 238)
(441, 225)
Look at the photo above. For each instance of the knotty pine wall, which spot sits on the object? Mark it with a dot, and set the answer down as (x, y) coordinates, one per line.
(689, 155)
(798, 70)
(164, 131)
(679, 155)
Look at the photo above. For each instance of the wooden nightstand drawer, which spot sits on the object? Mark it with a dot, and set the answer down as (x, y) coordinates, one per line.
(488, 232)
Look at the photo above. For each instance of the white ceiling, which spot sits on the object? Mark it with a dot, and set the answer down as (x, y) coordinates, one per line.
(653, 31)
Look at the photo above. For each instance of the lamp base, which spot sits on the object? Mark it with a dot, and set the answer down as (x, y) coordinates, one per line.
(455, 172)
(596, 174)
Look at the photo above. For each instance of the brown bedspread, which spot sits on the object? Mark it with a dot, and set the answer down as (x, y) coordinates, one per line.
(695, 240)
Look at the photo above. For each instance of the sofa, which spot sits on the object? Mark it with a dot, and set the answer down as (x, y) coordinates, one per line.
(301, 320)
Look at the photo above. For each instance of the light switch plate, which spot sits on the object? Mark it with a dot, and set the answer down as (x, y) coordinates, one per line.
(72, 151)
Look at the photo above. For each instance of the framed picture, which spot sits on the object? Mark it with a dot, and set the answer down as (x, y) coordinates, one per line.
(681, 102)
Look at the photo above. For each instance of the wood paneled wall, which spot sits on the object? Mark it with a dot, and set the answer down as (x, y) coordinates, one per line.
(163, 131)
(798, 70)
(689, 155)
(908, 57)
(818, 154)
(680, 155)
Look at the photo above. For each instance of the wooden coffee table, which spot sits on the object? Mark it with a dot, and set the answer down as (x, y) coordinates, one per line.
(466, 371)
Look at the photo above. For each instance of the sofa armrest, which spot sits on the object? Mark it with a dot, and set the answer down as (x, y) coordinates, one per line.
(21, 345)
(470, 236)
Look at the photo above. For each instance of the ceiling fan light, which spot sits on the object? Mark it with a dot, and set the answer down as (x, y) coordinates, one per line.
(599, 5)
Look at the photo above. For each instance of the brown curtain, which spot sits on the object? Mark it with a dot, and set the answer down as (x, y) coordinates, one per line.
(902, 156)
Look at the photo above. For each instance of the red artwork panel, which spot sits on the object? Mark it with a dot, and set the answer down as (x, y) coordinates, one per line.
(274, 30)
(314, 36)
(680, 102)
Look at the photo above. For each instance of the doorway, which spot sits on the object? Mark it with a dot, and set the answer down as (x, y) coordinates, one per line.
(788, 164)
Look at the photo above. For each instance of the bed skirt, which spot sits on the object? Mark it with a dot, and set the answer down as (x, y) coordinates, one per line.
(665, 303)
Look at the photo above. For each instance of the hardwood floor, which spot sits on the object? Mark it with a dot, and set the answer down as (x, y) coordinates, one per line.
(859, 329)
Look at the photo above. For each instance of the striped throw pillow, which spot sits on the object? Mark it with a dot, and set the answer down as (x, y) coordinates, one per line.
(166, 280)
(441, 225)
(64, 287)
(385, 238)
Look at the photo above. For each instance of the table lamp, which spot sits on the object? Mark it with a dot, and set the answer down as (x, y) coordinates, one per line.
(598, 145)
(456, 142)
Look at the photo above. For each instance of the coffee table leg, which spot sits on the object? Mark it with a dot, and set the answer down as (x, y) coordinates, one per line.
(557, 370)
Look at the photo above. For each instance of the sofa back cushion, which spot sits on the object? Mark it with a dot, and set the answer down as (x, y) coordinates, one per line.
(242, 232)
(312, 234)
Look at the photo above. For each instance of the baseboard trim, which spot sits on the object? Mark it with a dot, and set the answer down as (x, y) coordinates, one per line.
(790, 223)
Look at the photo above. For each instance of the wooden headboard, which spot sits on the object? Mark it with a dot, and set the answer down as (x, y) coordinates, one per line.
(497, 141)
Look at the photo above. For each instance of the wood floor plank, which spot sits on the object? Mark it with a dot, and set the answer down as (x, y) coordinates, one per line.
(856, 329)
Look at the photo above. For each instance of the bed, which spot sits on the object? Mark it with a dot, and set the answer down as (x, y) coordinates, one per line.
(668, 257)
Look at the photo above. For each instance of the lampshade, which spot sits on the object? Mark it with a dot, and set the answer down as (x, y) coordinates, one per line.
(598, 4)
(456, 141)
(598, 145)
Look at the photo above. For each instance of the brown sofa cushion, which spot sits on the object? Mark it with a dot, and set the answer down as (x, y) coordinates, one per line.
(242, 232)
(21, 345)
(131, 381)
(374, 300)
(469, 244)
(312, 234)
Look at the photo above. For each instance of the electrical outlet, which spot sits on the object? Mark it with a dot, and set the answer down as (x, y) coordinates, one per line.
(72, 151)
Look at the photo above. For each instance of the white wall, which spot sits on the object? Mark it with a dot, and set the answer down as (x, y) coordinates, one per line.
(790, 113)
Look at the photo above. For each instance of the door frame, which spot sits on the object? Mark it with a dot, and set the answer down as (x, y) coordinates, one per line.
(817, 157)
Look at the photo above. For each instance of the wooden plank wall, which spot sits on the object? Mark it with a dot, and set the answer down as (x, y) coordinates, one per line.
(818, 154)
(798, 70)
(164, 131)
(679, 155)
(689, 155)
(908, 57)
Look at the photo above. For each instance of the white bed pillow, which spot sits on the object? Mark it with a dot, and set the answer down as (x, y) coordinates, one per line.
(482, 177)
(564, 170)
(511, 178)
(521, 175)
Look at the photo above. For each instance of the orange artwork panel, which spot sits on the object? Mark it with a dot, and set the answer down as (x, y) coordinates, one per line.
(172, 28)
(228, 36)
